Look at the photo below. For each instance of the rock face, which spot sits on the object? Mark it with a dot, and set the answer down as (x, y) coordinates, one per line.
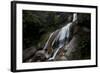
(78, 48)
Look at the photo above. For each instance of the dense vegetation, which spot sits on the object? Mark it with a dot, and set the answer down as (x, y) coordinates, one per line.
(38, 23)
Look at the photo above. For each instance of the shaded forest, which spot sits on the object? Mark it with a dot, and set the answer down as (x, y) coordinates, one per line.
(37, 26)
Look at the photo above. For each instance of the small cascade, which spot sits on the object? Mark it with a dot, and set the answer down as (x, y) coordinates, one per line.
(61, 38)
(48, 41)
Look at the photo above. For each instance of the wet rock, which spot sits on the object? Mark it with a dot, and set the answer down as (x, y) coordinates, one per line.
(39, 56)
(79, 46)
(28, 53)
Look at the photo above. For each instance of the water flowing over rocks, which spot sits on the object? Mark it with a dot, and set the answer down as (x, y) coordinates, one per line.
(69, 42)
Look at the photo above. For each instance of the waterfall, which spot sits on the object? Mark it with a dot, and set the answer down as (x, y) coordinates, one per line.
(64, 33)
(74, 17)
(61, 38)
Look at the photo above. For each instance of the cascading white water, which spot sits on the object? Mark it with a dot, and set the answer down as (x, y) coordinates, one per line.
(74, 17)
(64, 32)
(62, 37)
